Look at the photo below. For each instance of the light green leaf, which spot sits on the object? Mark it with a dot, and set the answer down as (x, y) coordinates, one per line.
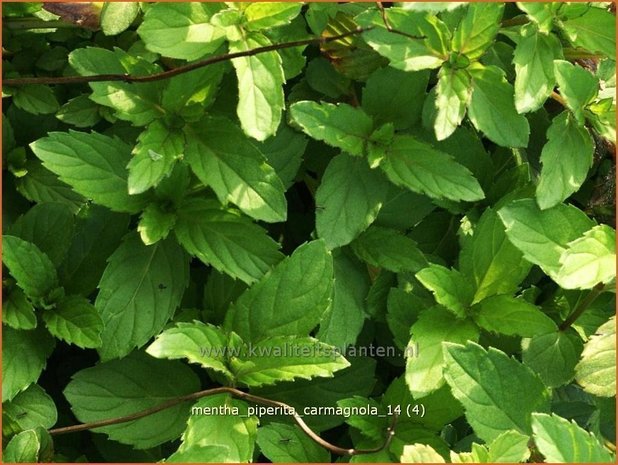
(453, 93)
(563, 441)
(449, 287)
(261, 15)
(509, 447)
(80, 111)
(389, 249)
(478, 29)
(17, 311)
(348, 199)
(23, 448)
(419, 167)
(343, 323)
(394, 96)
(219, 238)
(181, 30)
(596, 371)
(24, 355)
(534, 68)
(116, 17)
(341, 126)
(32, 269)
(577, 86)
(75, 321)
(424, 370)
(492, 109)
(30, 409)
(420, 453)
(290, 300)
(553, 356)
(595, 31)
(200, 454)
(140, 289)
(224, 159)
(236, 432)
(155, 223)
(543, 235)
(370, 425)
(426, 49)
(589, 260)
(540, 13)
(156, 151)
(282, 443)
(504, 314)
(495, 265)
(93, 164)
(36, 99)
(285, 358)
(122, 387)
(200, 343)
(199, 86)
(566, 158)
(498, 393)
(260, 87)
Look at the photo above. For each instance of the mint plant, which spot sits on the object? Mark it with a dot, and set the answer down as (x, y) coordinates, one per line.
(287, 232)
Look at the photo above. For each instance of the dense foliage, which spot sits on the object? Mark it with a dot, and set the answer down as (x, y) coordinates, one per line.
(411, 215)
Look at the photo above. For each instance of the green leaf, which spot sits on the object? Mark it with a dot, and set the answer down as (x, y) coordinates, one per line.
(199, 86)
(498, 393)
(219, 238)
(181, 30)
(560, 440)
(32, 269)
(389, 249)
(260, 87)
(402, 309)
(509, 447)
(394, 96)
(155, 224)
(236, 432)
(281, 443)
(123, 387)
(30, 409)
(449, 287)
(348, 200)
(17, 311)
(492, 109)
(24, 447)
(284, 358)
(139, 291)
(370, 425)
(540, 13)
(577, 86)
(589, 260)
(80, 112)
(453, 93)
(426, 49)
(420, 453)
(200, 454)
(504, 314)
(495, 265)
(419, 167)
(566, 158)
(200, 343)
(117, 17)
(24, 355)
(76, 321)
(137, 103)
(596, 371)
(342, 126)
(424, 370)
(553, 356)
(534, 68)
(36, 99)
(478, 29)
(543, 235)
(595, 31)
(284, 152)
(224, 159)
(94, 165)
(267, 15)
(343, 323)
(290, 300)
(156, 151)
(49, 226)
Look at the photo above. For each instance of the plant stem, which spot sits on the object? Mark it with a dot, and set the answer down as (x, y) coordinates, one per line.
(240, 395)
(582, 306)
